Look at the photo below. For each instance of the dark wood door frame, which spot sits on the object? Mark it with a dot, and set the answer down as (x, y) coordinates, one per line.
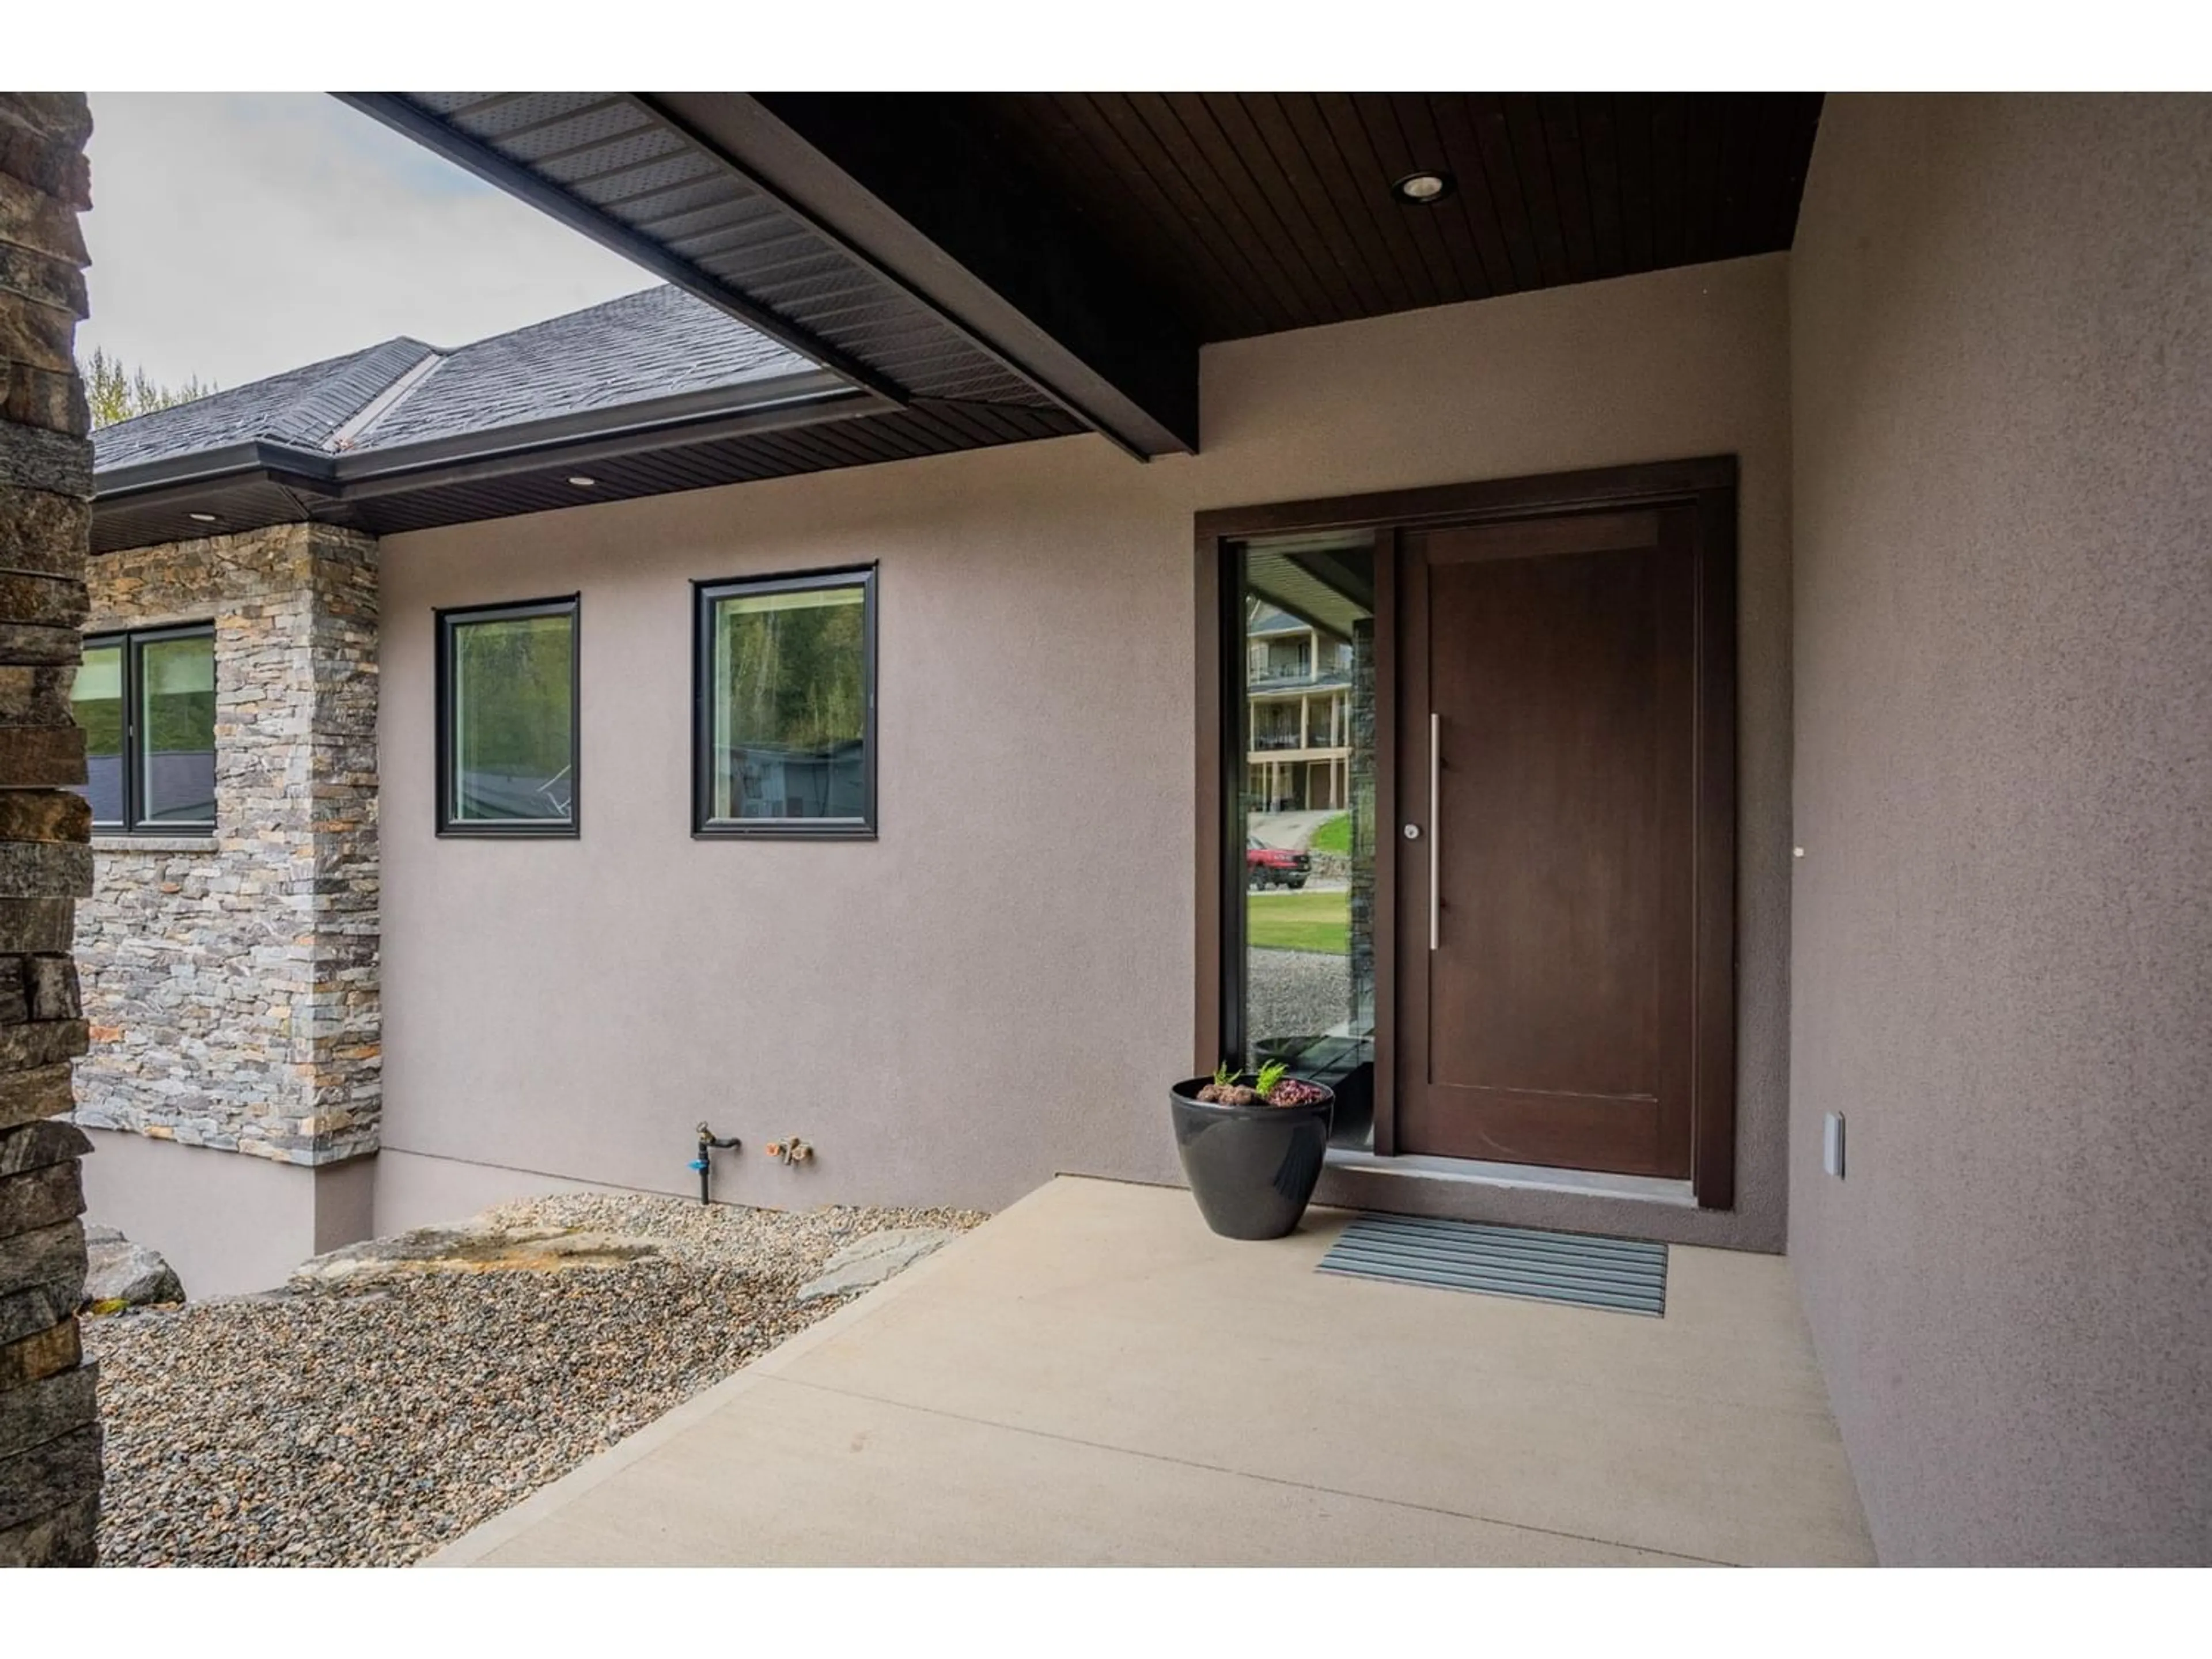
(1706, 485)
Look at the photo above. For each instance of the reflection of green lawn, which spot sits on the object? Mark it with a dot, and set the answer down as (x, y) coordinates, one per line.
(1335, 835)
(1299, 921)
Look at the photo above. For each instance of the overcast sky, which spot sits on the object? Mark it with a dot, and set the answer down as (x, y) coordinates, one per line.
(234, 235)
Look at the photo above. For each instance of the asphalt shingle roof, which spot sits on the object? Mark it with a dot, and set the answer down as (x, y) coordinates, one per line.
(301, 407)
(652, 344)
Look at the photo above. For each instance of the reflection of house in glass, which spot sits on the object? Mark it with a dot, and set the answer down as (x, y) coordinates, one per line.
(1298, 714)
(1309, 607)
(489, 797)
(819, 780)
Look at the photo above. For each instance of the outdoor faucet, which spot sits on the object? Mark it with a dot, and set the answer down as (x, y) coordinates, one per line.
(709, 1142)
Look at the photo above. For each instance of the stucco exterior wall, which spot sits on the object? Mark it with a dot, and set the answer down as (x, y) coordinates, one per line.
(227, 1224)
(999, 987)
(2001, 346)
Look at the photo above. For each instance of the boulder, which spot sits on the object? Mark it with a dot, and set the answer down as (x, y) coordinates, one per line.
(125, 1275)
(873, 1260)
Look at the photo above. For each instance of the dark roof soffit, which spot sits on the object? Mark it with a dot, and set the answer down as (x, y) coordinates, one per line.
(398, 112)
(762, 221)
(1009, 269)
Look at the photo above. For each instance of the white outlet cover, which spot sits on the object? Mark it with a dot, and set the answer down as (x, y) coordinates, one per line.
(1831, 1144)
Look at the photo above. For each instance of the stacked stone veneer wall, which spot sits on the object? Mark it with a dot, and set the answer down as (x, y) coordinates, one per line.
(49, 1416)
(231, 979)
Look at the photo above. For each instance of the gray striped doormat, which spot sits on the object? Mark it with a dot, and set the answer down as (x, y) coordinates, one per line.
(1627, 1274)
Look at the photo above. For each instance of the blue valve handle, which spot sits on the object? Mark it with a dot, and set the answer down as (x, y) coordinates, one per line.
(696, 1164)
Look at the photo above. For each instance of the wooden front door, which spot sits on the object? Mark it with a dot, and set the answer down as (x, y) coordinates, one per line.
(1549, 781)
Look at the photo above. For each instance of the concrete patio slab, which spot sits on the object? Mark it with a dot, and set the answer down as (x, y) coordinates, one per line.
(1092, 1377)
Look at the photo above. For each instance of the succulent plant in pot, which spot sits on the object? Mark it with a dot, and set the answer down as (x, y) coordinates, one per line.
(1251, 1144)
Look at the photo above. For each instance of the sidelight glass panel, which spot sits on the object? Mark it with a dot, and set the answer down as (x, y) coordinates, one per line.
(512, 723)
(788, 703)
(98, 702)
(176, 721)
(1306, 815)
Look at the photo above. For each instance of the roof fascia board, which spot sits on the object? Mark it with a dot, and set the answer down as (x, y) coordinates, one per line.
(1077, 333)
(488, 164)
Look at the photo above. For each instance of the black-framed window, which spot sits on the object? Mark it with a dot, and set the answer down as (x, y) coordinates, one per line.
(507, 718)
(145, 700)
(784, 706)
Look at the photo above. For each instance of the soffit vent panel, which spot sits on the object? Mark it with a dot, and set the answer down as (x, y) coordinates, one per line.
(618, 157)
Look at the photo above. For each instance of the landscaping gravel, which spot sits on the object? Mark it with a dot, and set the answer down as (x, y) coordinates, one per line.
(369, 1428)
(1294, 993)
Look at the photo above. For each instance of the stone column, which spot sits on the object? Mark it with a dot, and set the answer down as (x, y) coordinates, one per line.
(231, 979)
(49, 1418)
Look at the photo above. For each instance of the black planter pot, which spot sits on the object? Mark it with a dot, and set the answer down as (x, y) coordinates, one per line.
(1251, 1168)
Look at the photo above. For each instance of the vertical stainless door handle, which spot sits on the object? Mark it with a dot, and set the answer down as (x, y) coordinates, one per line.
(1436, 825)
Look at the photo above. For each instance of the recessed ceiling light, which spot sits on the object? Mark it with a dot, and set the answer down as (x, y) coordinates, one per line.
(201, 517)
(581, 481)
(1422, 189)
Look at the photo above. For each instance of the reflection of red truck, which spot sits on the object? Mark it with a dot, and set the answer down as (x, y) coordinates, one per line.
(1274, 867)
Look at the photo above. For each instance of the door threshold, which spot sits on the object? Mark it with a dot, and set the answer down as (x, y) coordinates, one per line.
(1477, 1172)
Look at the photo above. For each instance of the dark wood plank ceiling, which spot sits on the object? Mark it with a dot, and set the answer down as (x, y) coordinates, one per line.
(1074, 250)
(1250, 213)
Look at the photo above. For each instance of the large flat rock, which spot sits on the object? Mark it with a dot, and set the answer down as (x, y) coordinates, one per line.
(873, 1260)
(472, 1247)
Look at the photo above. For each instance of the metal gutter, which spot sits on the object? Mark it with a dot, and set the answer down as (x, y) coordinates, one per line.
(625, 428)
(232, 462)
